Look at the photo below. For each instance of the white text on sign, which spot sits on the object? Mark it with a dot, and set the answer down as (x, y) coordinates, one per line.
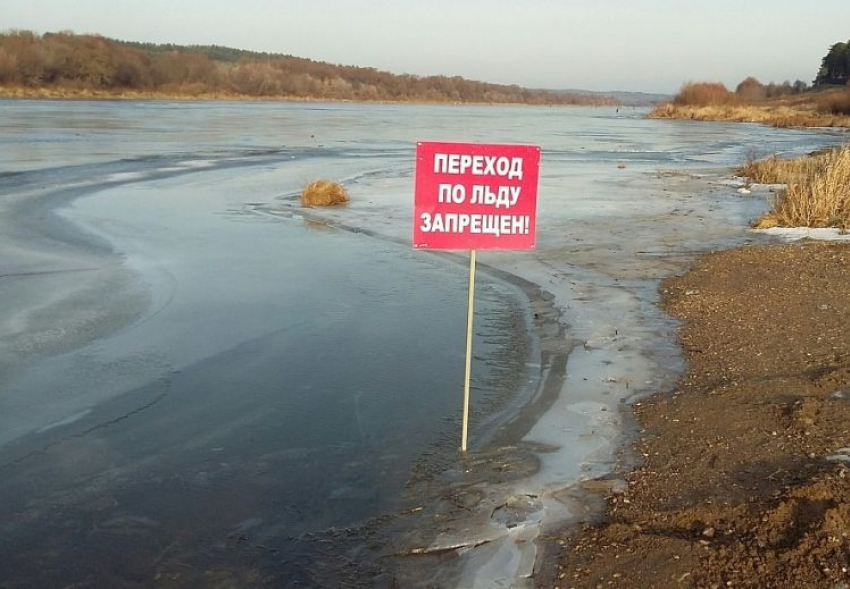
(478, 165)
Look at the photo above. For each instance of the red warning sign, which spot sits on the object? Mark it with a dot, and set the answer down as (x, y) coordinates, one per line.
(475, 196)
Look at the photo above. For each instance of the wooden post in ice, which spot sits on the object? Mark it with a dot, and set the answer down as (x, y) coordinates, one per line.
(470, 313)
(475, 196)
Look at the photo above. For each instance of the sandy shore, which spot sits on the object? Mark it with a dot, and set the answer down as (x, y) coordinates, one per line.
(741, 477)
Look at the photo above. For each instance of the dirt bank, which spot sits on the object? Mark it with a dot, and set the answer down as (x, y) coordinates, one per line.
(742, 476)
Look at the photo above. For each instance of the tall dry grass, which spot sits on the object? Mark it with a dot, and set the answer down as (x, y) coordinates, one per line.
(775, 170)
(817, 192)
(836, 103)
(714, 102)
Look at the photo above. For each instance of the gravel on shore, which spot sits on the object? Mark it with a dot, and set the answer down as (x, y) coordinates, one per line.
(739, 477)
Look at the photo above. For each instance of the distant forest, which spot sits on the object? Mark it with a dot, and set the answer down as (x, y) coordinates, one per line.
(81, 63)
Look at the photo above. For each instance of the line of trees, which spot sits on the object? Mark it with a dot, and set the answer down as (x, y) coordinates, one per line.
(834, 70)
(835, 66)
(92, 62)
(751, 90)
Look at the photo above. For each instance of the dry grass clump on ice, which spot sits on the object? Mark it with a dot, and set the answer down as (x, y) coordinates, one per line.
(322, 193)
(817, 192)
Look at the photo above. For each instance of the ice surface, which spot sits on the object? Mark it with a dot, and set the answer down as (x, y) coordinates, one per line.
(175, 212)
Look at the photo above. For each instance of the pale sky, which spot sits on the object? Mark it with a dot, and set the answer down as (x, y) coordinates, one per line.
(641, 45)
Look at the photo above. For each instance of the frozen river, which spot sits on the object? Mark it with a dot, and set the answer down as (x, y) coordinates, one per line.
(203, 383)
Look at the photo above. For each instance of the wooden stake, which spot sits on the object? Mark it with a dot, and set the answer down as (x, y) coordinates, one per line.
(469, 316)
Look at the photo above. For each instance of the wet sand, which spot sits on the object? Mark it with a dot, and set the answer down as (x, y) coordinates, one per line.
(741, 475)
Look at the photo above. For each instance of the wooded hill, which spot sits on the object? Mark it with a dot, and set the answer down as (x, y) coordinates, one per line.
(835, 66)
(67, 61)
(825, 104)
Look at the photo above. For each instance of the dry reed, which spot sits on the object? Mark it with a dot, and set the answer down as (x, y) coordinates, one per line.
(835, 103)
(775, 170)
(322, 193)
(708, 102)
(817, 192)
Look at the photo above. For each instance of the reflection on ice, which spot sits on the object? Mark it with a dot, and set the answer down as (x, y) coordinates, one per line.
(125, 176)
(67, 421)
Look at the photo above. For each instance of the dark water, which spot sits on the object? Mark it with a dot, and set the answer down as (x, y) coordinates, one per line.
(309, 427)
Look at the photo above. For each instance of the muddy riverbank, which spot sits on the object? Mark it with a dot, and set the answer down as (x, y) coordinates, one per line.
(742, 477)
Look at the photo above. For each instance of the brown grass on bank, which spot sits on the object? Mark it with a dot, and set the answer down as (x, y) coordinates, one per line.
(817, 192)
(835, 103)
(775, 170)
(830, 108)
(322, 193)
(68, 93)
